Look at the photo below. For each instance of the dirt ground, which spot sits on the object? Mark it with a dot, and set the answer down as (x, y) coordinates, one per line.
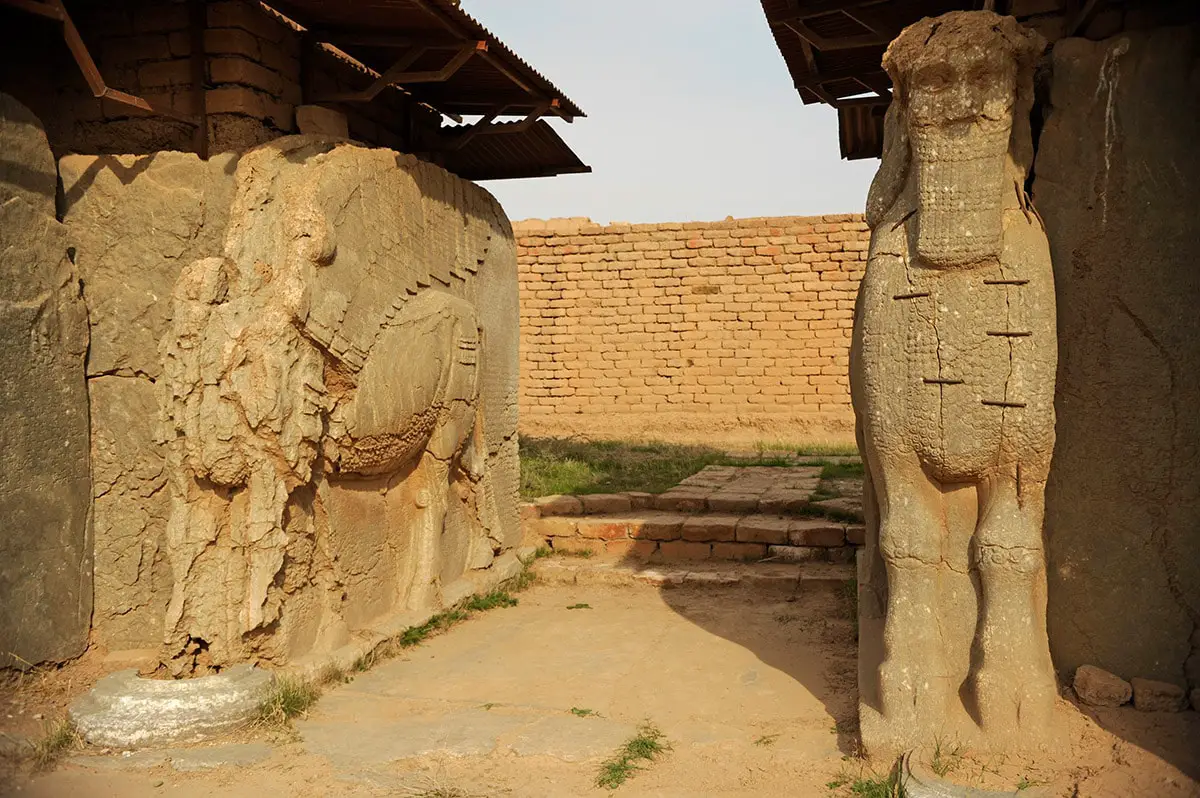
(753, 687)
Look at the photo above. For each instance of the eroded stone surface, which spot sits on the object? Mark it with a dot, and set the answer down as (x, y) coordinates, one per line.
(1100, 688)
(135, 220)
(1118, 183)
(952, 377)
(45, 545)
(338, 404)
(125, 711)
(304, 390)
(1154, 696)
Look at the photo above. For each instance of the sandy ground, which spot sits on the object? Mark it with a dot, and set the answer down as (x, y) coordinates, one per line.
(753, 687)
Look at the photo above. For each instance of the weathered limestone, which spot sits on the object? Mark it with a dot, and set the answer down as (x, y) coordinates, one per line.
(338, 398)
(952, 378)
(135, 222)
(303, 382)
(1100, 688)
(124, 711)
(45, 535)
(1118, 182)
(1153, 696)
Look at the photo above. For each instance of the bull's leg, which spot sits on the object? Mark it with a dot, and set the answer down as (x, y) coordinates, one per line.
(914, 686)
(1014, 679)
(431, 484)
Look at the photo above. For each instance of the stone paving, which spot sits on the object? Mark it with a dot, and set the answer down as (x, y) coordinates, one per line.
(748, 684)
(721, 512)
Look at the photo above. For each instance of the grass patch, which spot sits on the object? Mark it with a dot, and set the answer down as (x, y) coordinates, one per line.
(58, 738)
(766, 739)
(827, 450)
(288, 697)
(877, 787)
(490, 601)
(823, 492)
(1026, 783)
(572, 465)
(333, 674)
(851, 470)
(945, 757)
(415, 635)
(582, 553)
(581, 712)
(579, 606)
(646, 746)
(867, 784)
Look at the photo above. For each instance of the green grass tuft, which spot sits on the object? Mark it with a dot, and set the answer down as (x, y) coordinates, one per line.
(583, 553)
(579, 606)
(574, 466)
(490, 601)
(766, 739)
(580, 712)
(58, 738)
(287, 698)
(851, 470)
(877, 787)
(827, 450)
(647, 745)
(945, 757)
(333, 674)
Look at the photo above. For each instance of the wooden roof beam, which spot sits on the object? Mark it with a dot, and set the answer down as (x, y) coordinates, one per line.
(819, 8)
(486, 126)
(841, 73)
(841, 43)
(430, 41)
(395, 74)
(55, 10)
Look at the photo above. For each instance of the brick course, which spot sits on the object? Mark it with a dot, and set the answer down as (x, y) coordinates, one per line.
(734, 331)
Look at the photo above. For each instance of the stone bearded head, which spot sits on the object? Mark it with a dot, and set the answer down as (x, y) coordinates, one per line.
(960, 111)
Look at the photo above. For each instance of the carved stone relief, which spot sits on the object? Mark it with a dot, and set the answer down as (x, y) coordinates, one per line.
(952, 378)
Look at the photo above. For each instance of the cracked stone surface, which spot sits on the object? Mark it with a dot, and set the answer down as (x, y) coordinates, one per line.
(952, 379)
(1118, 183)
(750, 681)
(46, 545)
(314, 336)
(470, 695)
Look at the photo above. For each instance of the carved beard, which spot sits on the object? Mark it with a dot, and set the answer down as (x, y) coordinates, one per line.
(960, 182)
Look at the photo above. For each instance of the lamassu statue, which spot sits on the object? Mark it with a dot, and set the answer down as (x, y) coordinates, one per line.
(952, 377)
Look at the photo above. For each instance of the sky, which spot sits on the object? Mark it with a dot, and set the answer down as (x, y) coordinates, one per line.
(691, 114)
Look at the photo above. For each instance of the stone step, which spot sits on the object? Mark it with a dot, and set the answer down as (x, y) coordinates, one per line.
(800, 501)
(612, 571)
(698, 536)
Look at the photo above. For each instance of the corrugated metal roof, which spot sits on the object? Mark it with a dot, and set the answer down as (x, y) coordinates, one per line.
(489, 80)
(534, 151)
(834, 49)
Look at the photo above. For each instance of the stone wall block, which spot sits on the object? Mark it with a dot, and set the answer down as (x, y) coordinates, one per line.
(45, 503)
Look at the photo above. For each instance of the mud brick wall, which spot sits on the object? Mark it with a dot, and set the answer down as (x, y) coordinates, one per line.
(730, 332)
(252, 79)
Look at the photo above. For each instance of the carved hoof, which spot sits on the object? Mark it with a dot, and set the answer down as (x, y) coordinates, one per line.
(998, 701)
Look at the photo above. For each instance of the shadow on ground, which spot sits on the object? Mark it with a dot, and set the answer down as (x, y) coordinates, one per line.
(807, 631)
